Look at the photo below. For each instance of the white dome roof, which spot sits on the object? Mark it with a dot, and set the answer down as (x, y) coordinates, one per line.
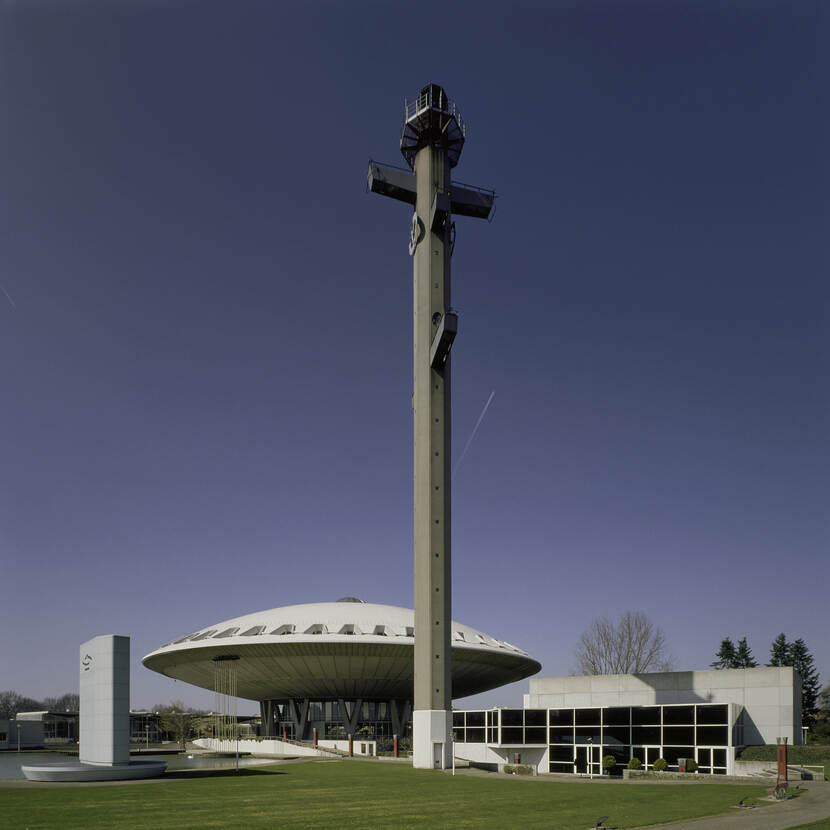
(334, 649)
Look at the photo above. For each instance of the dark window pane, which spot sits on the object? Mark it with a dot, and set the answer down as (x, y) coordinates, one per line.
(561, 753)
(672, 753)
(616, 735)
(645, 715)
(587, 734)
(616, 716)
(492, 735)
(704, 757)
(458, 735)
(458, 719)
(512, 735)
(536, 717)
(512, 717)
(680, 715)
(561, 736)
(713, 714)
(561, 717)
(560, 767)
(588, 717)
(621, 753)
(717, 735)
(718, 771)
(492, 719)
(645, 735)
(535, 735)
(475, 736)
(678, 735)
(475, 718)
(719, 757)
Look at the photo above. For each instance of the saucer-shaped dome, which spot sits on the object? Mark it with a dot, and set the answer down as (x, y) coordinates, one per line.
(328, 650)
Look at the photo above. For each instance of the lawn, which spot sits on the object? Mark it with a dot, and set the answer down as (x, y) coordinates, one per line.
(350, 794)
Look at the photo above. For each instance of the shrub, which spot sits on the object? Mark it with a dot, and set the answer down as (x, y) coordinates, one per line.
(518, 769)
(635, 763)
(691, 765)
(660, 765)
(609, 762)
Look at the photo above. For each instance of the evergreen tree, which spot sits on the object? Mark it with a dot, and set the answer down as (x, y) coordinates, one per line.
(779, 654)
(743, 656)
(725, 656)
(802, 661)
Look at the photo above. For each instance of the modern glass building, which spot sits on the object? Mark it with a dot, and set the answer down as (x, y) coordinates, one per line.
(574, 740)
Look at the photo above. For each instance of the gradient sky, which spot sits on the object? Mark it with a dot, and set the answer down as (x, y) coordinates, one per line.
(205, 323)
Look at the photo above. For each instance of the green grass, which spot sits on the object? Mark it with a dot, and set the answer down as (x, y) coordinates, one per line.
(344, 794)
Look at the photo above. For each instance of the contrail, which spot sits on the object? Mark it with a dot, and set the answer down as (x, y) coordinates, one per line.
(8, 297)
(473, 433)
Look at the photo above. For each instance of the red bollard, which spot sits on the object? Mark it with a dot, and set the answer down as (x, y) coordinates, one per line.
(314, 736)
(782, 760)
(395, 746)
(285, 734)
(351, 747)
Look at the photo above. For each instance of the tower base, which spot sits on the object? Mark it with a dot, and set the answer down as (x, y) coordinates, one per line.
(432, 739)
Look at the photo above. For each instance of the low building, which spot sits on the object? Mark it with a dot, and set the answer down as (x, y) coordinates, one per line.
(568, 724)
(21, 734)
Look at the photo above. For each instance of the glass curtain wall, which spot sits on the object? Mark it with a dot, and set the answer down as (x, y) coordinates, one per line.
(578, 739)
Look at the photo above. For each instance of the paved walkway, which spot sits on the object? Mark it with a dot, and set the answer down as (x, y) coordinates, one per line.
(811, 806)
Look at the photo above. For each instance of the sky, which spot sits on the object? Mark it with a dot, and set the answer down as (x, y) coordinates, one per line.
(205, 321)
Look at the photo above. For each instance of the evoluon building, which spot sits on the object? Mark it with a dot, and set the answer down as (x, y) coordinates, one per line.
(339, 668)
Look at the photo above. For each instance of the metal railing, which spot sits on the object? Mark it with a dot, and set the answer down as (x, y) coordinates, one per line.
(440, 102)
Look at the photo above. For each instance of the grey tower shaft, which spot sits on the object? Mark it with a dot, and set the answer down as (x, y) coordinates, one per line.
(432, 430)
(431, 142)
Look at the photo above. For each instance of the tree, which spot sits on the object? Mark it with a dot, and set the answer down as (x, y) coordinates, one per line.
(821, 724)
(12, 702)
(69, 702)
(802, 661)
(725, 658)
(797, 655)
(632, 645)
(176, 719)
(779, 653)
(743, 656)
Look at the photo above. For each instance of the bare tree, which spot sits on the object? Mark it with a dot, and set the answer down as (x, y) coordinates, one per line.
(12, 702)
(631, 645)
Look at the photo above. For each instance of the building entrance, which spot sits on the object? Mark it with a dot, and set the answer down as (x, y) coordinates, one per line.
(588, 759)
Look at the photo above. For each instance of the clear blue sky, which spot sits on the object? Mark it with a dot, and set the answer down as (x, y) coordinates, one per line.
(205, 323)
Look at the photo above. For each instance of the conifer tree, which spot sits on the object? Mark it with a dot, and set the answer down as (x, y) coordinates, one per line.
(779, 653)
(725, 656)
(743, 656)
(802, 661)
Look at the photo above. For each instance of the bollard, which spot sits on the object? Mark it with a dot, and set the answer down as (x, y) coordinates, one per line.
(351, 746)
(314, 736)
(395, 746)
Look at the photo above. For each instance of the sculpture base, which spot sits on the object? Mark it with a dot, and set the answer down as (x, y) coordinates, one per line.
(77, 771)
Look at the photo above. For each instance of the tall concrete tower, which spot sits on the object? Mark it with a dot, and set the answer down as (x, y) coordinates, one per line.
(432, 139)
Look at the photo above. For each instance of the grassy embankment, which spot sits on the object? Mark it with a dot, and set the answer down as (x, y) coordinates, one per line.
(352, 795)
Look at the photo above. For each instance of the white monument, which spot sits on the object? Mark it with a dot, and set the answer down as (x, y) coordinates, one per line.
(105, 700)
(104, 745)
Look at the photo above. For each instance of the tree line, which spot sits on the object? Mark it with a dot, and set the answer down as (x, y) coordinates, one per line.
(12, 702)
